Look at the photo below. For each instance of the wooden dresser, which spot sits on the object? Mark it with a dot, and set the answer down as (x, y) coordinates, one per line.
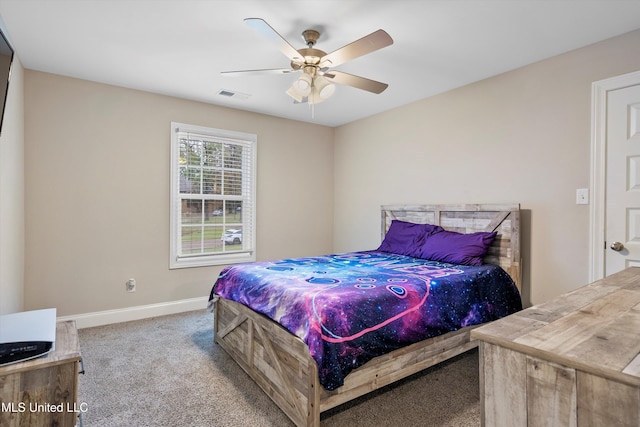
(572, 361)
(43, 391)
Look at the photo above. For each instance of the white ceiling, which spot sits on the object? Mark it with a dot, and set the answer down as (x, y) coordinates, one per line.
(179, 47)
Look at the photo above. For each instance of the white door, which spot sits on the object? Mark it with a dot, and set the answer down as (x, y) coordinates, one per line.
(622, 193)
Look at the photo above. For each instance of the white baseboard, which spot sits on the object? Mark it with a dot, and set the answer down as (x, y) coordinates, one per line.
(99, 318)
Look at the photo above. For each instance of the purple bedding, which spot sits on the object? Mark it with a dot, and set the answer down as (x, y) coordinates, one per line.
(349, 308)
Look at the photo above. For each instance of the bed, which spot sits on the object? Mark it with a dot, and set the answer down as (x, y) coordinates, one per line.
(286, 363)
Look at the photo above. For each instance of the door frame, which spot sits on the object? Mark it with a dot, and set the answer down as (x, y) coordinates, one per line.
(597, 181)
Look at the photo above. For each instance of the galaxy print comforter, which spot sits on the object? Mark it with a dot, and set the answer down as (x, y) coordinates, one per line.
(349, 308)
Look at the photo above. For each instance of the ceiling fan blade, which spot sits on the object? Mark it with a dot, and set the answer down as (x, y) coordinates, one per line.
(261, 26)
(262, 71)
(356, 81)
(367, 44)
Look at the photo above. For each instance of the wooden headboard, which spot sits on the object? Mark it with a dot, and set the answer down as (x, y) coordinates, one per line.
(503, 218)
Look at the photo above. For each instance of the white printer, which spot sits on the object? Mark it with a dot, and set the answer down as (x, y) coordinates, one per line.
(27, 335)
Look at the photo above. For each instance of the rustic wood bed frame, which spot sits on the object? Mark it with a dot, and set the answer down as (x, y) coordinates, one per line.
(280, 363)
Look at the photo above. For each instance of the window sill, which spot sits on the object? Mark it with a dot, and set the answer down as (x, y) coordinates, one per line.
(208, 261)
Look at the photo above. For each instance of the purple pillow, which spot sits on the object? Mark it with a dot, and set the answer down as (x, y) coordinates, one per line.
(405, 238)
(456, 248)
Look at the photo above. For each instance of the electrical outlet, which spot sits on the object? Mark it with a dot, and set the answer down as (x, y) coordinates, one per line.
(582, 196)
(130, 286)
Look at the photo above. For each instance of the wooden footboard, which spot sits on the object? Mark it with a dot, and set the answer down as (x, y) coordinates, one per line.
(280, 363)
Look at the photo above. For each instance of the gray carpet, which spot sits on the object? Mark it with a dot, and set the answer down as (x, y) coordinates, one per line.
(167, 371)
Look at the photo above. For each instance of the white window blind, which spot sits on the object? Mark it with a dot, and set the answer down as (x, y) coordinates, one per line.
(213, 180)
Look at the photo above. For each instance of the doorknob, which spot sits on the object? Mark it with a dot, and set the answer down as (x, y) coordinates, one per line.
(617, 246)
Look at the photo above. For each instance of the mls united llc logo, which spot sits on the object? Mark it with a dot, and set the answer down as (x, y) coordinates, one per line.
(21, 407)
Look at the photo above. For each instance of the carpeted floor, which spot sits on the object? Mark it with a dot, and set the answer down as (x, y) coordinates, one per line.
(167, 371)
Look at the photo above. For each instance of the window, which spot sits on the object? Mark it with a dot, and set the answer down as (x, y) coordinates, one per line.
(213, 196)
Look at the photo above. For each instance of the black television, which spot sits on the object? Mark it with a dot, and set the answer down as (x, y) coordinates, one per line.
(6, 60)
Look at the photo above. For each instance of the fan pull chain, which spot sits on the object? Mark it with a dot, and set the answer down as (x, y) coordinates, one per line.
(311, 105)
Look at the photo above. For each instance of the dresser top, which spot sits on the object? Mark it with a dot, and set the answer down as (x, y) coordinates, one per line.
(595, 328)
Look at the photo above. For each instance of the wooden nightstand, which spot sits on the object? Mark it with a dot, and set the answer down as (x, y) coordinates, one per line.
(43, 391)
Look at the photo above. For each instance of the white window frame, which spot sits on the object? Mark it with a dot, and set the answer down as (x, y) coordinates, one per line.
(247, 253)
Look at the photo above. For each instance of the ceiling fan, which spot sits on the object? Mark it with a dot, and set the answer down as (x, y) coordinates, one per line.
(316, 83)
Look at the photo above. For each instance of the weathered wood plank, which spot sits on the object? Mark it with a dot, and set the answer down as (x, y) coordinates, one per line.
(231, 326)
(503, 387)
(613, 343)
(551, 394)
(602, 402)
(507, 331)
(10, 392)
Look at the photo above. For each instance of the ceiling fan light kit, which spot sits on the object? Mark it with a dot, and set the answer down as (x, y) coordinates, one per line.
(292, 92)
(324, 88)
(316, 84)
(303, 84)
(311, 85)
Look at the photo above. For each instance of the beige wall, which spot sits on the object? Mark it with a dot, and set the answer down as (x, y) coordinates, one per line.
(12, 196)
(97, 193)
(97, 177)
(523, 136)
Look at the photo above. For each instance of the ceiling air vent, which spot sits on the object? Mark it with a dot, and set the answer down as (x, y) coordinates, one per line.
(232, 94)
